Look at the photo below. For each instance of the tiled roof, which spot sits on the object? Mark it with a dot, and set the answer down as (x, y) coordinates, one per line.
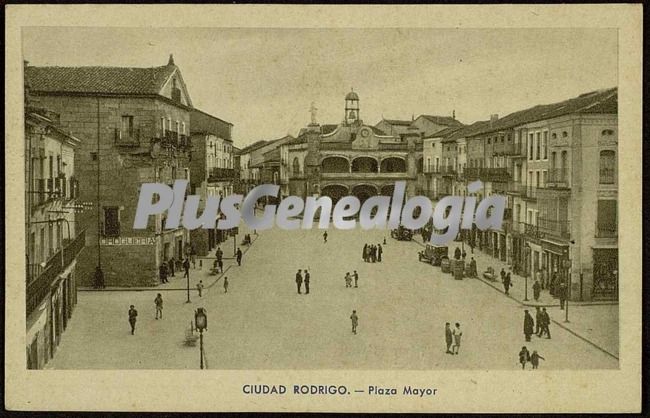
(378, 131)
(444, 132)
(253, 146)
(442, 120)
(327, 129)
(98, 80)
(201, 122)
(599, 101)
(398, 122)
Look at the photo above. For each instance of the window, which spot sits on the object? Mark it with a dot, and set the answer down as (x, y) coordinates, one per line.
(51, 166)
(530, 146)
(183, 128)
(545, 145)
(93, 156)
(564, 134)
(162, 125)
(50, 240)
(553, 135)
(58, 165)
(489, 140)
(537, 145)
(607, 166)
(502, 139)
(111, 221)
(544, 178)
(178, 127)
(296, 166)
(127, 126)
(606, 218)
(607, 132)
(537, 179)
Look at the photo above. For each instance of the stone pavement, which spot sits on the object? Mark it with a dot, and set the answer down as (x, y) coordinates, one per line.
(594, 322)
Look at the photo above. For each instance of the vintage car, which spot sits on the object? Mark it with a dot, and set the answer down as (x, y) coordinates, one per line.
(402, 233)
(433, 254)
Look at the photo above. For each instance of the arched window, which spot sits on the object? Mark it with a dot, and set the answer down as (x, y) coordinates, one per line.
(296, 166)
(607, 166)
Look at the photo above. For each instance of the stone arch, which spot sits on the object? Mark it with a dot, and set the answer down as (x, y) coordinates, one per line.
(295, 166)
(335, 192)
(365, 164)
(364, 191)
(387, 190)
(335, 164)
(393, 165)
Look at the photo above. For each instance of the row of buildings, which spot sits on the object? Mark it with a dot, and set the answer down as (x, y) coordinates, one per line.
(556, 163)
(93, 135)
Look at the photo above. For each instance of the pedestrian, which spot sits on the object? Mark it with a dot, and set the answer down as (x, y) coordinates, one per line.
(457, 253)
(562, 291)
(325, 237)
(464, 255)
(528, 325)
(299, 280)
(534, 359)
(193, 256)
(159, 305)
(448, 337)
(133, 314)
(457, 333)
(220, 264)
(553, 284)
(472, 268)
(538, 321)
(348, 280)
(355, 321)
(536, 290)
(225, 284)
(506, 281)
(199, 287)
(544, 281)
(186, 267)
(538, 275)
(172, 267)
(365, 252)
(219, 254)
(239, 255)
(356, 278)
(524, 356)
(307, 276)
(373, 253)
(99, 278)
(384, 240)
(379, 252)
(162, 272)
(546, 320)
(503, 276)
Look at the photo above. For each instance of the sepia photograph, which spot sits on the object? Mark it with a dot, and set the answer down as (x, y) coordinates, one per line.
(314, 195)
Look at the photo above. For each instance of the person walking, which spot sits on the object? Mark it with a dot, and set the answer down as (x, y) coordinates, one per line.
(299, 280)
(186, 267)
(325, 237)
(528, 325)
(534, 359)
(199, 287)
(503, 275)
(356, 278)
(193, 256)
(457, 254)
(538, 321)
(219, 254)
(133, 314)
(239, 256)
(524, 356)
(537, 287)
(355, 321)
(553, 284)
(225, 284)
(365, 252)
(348, 280)
(379, 252)
(162, 273)
(159, 305)
(448, 337)
(307, 276)
(546, 320)
(220, 265)
(472, 268)
(464, 255)
(562, 291)
(506, 281)
(457, 333)
(99, 278)
(172, 267)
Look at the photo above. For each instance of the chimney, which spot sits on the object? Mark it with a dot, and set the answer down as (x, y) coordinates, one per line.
(493, 118)
(453, 114)
(171, 59)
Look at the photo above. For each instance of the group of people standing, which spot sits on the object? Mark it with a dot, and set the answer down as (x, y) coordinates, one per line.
(300, 280)
(540, 324)
(372, 253)
(525, 357)
(168, 269)
(349, 277)
(452, 338)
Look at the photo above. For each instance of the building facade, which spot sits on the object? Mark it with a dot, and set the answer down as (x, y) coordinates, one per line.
(53, 238)
(134, 126)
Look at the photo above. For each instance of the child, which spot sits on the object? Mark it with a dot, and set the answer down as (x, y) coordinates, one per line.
(348, 280)
(159, 305)
(534, 359)
(225, 284)
(199, 287)
(355, 321)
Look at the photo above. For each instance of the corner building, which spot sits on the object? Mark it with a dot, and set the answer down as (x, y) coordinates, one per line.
(134, 126)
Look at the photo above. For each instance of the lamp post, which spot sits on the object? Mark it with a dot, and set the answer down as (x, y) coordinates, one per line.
(527, 272)
(201, 323)
(567, 289)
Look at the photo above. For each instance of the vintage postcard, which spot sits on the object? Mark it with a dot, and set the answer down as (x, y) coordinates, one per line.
(323, 208)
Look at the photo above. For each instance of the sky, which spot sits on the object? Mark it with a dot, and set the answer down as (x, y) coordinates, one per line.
(264, 80)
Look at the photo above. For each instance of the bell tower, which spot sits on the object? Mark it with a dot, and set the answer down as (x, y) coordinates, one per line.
(351, 108)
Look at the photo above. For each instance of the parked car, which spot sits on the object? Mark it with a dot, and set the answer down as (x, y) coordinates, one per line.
(402, 233)
(433, 254)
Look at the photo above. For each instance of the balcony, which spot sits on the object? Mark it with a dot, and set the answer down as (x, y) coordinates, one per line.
(607, 176)
(555, 228)
(221, 174)
(41, 278)
(606, 231)
(448, 170)
(558, 178)
(130, 138)
(487, 174)
(515, 150)
(530, 230)
(472, 173)
(393, 147)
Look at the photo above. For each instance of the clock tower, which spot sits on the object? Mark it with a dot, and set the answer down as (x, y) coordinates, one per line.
(351, 108)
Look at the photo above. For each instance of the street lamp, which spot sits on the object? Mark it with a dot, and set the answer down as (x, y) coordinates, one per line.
(201, 323)
(188, 289)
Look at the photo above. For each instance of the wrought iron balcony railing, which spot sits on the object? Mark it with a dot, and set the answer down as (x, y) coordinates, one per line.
(130, 138)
